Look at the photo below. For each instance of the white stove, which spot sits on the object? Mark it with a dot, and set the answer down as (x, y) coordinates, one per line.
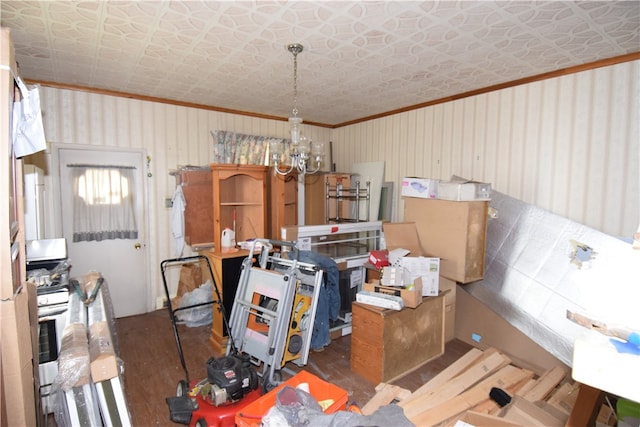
(47, 267)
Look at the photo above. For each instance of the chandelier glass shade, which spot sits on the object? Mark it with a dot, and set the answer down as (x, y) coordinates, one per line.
(304, 155)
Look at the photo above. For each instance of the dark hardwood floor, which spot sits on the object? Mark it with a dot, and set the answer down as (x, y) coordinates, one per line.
(152, 366)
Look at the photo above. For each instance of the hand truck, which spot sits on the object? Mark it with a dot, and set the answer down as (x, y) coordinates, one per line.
(274, 309)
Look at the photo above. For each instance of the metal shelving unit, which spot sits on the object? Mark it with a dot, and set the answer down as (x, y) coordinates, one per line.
(340, 195)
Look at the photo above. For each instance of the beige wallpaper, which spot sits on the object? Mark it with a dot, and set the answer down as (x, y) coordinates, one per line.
(570, 145)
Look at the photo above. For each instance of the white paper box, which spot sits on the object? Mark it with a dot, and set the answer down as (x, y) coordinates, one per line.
(395, 276)
(427, 269)
(464, 191)
(423, 188)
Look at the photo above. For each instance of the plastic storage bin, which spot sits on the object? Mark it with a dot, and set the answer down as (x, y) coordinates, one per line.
(251, 415)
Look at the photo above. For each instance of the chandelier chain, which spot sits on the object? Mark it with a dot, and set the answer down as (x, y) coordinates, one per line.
(295, 84)
(295, 49)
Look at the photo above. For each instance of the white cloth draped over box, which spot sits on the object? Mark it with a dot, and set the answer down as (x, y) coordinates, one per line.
(178, 204)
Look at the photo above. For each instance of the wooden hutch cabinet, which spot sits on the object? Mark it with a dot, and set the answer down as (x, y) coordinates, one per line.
(240, 198)
(282, 202)
(198, 214)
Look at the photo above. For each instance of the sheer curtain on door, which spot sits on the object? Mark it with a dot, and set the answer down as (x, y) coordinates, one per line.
(103, 207)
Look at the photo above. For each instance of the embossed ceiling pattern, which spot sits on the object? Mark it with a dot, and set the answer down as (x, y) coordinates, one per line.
(360, 58)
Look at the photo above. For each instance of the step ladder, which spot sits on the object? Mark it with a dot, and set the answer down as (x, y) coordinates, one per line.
(274, 308)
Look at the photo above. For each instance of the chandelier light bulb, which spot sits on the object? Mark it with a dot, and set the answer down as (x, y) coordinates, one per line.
(317, 149)
(304, 145)
(295, 123)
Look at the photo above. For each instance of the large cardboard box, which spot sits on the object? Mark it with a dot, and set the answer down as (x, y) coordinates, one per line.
(17, 362)
(478, 325)
(455, 232)
(387, 344)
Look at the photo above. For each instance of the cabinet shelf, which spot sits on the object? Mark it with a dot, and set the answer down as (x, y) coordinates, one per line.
(241, 204)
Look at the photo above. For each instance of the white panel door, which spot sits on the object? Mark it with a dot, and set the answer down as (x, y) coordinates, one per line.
(122, 262)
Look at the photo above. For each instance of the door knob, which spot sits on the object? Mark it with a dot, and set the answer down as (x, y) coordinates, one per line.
(137, 246)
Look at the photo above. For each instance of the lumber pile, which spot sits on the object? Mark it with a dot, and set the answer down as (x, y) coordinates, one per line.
(469, 390)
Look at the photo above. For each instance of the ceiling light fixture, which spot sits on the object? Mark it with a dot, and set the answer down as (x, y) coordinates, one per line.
(306, 156)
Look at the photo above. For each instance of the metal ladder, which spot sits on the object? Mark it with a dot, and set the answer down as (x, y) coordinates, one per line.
(261, 323)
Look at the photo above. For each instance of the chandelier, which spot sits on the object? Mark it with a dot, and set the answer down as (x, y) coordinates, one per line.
(306, 156)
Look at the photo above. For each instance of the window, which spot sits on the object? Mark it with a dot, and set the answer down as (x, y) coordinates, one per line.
(103, 205)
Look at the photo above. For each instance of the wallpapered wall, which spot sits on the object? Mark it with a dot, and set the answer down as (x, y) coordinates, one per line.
(568, 144)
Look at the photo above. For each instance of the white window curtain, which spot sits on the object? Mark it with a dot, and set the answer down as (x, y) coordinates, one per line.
(237, 148)
(103, 206)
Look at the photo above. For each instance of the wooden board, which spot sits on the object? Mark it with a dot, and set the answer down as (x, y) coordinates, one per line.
(504, 378)
(547, 383)
(455, 386)
(450, 372)
(386, 393)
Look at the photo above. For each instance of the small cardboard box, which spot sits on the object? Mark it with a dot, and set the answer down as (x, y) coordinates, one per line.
(405, 235)
(423, 188)
(411, 297)
(104, 365)
(379, 259)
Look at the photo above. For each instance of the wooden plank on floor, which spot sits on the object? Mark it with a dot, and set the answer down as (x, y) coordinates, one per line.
(447, 374)
(386, 393)
(504, 378)
(491, 407)
(547, 383)
(564, 397)
(456, 385)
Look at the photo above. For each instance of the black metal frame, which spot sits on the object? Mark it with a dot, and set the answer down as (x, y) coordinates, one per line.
(172, 311)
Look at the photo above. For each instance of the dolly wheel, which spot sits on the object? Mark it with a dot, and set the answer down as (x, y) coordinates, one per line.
(182, 389)
(201, 423)
(267, 385)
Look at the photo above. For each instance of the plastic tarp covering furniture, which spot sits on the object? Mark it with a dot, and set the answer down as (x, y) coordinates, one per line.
(537, 269)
